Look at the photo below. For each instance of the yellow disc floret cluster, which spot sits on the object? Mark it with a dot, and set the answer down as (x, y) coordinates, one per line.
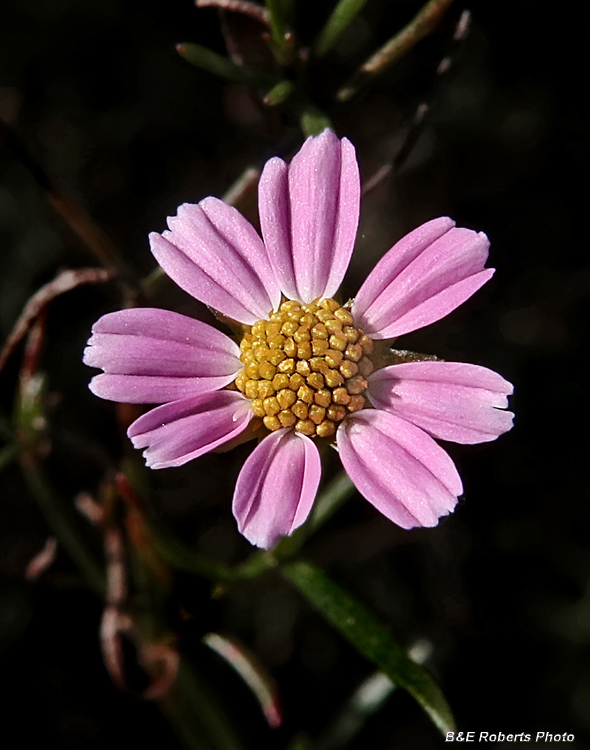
(305, 367)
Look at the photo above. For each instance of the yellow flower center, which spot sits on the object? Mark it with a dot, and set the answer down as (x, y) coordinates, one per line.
(305, 367)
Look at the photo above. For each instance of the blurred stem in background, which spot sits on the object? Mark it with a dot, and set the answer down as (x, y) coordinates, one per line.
(32, 441)
(423, 24)
(79, 221)
(287, 88)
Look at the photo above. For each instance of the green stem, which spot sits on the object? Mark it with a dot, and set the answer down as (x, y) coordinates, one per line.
(331, 499)
(173, 552)
(260, 562)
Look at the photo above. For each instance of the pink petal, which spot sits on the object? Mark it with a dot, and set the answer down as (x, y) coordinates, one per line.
(424, 276)
(276, 487)
(450, 400)
(156, 356)
(309, 216)
(215, 255)
(178, 432)
(398, 468)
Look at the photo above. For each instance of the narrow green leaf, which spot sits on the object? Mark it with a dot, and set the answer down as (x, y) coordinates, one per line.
(312, 120)
(278, 26)
(370, 638)
(341, 17)
(423, 24)
(221, 66)
(279, 93)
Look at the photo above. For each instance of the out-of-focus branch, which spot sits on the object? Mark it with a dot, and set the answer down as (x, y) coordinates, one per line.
(238, 194)
(67, 526)
(419, 27)
(66, 523)
(42, 560)
(238, 191)
(36, 305)
(252, 672)
(422, 110)
(257, 12)
(76, 218)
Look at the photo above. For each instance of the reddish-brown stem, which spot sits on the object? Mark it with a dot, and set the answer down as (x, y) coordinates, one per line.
(237, 6)
(38, 302)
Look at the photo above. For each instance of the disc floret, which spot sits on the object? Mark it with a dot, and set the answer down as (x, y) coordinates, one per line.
(305, 367)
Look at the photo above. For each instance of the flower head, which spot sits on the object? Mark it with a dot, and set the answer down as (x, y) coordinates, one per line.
(304, 369)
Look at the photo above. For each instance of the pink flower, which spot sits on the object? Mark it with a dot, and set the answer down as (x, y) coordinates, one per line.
(304, 368)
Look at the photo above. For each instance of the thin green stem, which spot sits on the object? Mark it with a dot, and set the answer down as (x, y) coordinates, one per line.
(332, 498)
(260, 562)
(173, 552)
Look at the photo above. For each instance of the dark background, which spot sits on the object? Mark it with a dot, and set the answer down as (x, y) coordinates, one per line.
(500, 588)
